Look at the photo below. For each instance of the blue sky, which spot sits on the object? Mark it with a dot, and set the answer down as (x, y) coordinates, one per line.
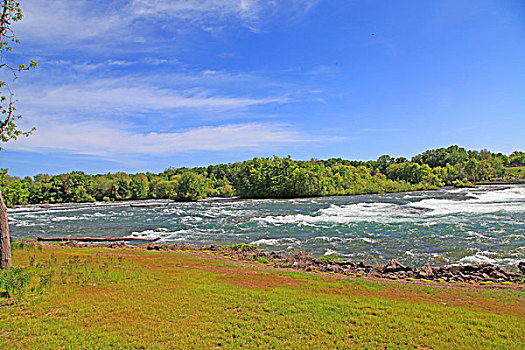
(142, 85)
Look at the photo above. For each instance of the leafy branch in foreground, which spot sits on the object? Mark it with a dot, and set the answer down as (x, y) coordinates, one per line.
(9, 130)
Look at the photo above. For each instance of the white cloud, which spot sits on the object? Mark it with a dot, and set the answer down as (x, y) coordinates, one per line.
(105, 65)
(128, 21)
(206, 13)
(124, 96)
(67, 20)
(111, 141)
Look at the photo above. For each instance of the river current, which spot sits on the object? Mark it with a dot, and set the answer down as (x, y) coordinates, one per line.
(449, 226)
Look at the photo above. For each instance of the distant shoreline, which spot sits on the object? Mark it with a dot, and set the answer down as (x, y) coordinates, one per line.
(145, 203)
(516, 182)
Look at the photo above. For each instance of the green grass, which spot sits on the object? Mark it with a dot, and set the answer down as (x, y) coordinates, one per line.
(102, 298)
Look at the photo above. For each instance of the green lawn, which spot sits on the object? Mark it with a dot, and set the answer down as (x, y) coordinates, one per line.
(102, 298)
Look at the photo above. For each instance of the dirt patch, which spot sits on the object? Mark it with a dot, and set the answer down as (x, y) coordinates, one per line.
(257, 279)
(245, 275)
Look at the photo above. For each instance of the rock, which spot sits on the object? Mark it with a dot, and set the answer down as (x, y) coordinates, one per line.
(274, 255)
(264, 255)
(153, 246)
(118, 245)
(437, 269)
(426, 272)
(394, 266)
(299, 255)
(454, 278)
(463, 276)
(521, 266)
(499, 274)
(72, 244)
(213, 247)
(337, 269)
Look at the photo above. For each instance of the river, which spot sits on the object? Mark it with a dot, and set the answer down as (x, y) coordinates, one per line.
(448, 226)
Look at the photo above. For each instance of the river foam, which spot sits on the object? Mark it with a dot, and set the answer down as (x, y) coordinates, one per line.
(511, 200)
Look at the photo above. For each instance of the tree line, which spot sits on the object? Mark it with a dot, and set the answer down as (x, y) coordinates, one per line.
(268, 178)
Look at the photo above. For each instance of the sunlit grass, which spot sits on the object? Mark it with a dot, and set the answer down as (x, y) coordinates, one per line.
(101, 298)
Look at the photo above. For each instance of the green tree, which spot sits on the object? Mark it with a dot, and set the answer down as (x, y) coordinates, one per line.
(14, 190)
(9, 130)
(162, 189)
(470, 169)
(517, 158)
(383, 162)
(139, 187)
(191, 187)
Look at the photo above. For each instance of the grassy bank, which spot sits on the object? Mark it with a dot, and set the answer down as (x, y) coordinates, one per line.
(101, 298)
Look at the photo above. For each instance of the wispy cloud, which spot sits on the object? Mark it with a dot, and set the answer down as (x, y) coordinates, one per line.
(83, 93)
(209, 13)
(131, 21)
(111, 140)
(69, 20)
(103, 97)
(322, 70)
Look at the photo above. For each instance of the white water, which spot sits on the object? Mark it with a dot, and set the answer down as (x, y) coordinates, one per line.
(448, 226)
(430, 211)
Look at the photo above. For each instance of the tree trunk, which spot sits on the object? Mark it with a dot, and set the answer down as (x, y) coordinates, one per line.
(5, 245)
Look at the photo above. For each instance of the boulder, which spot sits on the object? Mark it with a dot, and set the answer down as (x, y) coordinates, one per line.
(394, 266)
(521, 266)
(426, 272)
(212, 247)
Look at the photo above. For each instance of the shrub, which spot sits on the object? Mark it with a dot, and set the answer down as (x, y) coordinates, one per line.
(263, 260)
(331, 257)
(242, 247)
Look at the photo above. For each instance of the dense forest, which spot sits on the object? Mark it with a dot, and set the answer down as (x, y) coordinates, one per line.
(271, 178)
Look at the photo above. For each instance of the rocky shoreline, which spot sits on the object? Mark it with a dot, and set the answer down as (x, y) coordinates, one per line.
(473, 274)
(483, 274)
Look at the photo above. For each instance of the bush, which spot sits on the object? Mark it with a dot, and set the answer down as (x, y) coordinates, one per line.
(262, 260)
(26, 244)
(461, 184)
(331, 257)
(242, 247)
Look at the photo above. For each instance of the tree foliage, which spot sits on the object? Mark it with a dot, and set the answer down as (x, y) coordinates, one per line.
(266, 178)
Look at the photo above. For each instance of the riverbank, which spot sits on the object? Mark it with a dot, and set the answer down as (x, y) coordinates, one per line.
(135, 298)
(473, 274)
